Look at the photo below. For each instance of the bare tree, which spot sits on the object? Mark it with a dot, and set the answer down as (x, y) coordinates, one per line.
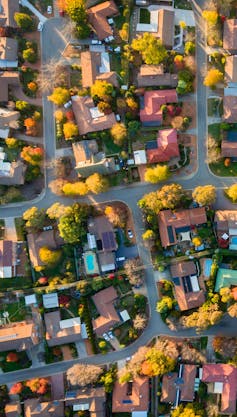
(191, 354)
(51, 75)
(139, 322)
(168, 347)
(214, 153)
(83, 375)
(134, 270)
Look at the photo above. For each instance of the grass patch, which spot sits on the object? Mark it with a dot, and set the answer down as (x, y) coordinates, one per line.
(182, 4)
(145, 16)
(124, 286)
(214, 130)
(2, 229)
(204, 341)
(121, 332)
(17, 283)
(110, 147)
(20, 231)
(22, 363)
(115, 60)
(117, 179)
(214, 107)
(17, 311)
(71, 311)
(75, 78)
(221, 170)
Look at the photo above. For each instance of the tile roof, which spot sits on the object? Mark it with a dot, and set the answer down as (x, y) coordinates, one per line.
(35, 408)
(153, 100)
(7, 255)
(103, 230)
(104, 302)
(7, 78)
(169, 221)
(166, 27)
(13, 409)
(97, 16)
(229, 35)
(231, 68)
(168, 390)
(170, 384)
(153, 75)
(90, 69)
(131, 396)
(167, 147)
(227, 374)
(8, 49)
(230, 109)
(95, 397)
(228, 149)
(55, 335)
(18, 336)
(8, 9)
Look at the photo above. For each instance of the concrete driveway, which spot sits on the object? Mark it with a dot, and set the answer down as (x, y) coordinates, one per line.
(128, 252)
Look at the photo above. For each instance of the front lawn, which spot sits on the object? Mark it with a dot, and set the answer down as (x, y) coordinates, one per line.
(214, 107)
(20, 231)
(222, 171)
(17, 311)
(214, 130)
(17, 283)
(22, 362)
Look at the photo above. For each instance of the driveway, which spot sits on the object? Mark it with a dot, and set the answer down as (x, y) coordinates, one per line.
(128, 252)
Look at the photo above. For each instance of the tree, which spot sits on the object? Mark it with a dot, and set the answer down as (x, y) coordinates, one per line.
(59, 96)
(207, 315)
(157, 174)
(117, 215)
(59, 115)
(139, 322)
(72, 226)
(226, 346)
(101, 89)
(213, 77)
(29, 55)
(150, 203)
(196, 241)
(16, 389)
(75, 188)
(24, 21)
(70, 130)
(108, 379)
(124, 31)
(12, 357)
(231, 193)
(150, 48)
(12, 143)
(165, 304)
(168, 347)
(38, 385)
(148, 235)
(82, 375)
(134, 270)
(76, 10)
(32, 155)
(97, 184)
(171, 195)
(189, 48)
(204, 195)
(211, 16)
(48, 256)
(34, 218)
(119, 133)
(157, 363)
(31, 126)
(232, 310)
(32, 86)
(57, 210)
(189, 410)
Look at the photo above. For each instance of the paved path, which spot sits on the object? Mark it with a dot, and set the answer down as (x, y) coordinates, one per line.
(36, 12)
(19, 94)
(10, 229)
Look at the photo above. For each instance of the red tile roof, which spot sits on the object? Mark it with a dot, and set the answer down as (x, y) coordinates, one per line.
(97, 16)
(227, 374)
(153, 101)
(167, 147)
(108, 316)
(134, 398)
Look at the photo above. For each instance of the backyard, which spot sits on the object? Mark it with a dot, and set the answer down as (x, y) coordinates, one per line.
(17, 311)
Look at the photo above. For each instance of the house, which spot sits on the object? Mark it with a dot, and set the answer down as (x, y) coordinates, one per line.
(226, 228)
(231, 69)
(88, 117)
(229, 145)
(154, 76)
(8, 118)
(186, 286)
(179, 386)
(7, 79)
(131, 397)
(175, 226)
(8, 53)
(150, 106)
(98, 18)
(140, 157)
(221, 379)
(229, 35)
(89, 160)
(18, 336)
(8, 250)
(229, 106)
(161, 25)
(164, 148)
(104, 302)
(96, 66)
(225, 278)
(8, 9)
(90, 399)
(12, 173)
(59, 332)
(35, 408)
(47, 238)
(13, 409)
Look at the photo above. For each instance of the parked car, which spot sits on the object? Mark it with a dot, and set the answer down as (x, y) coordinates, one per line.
(40, 26)
(61, 13)
(47, 228)
(130, 234)
(110, 334)
(68, 104)
(49, 9)
(106, 337)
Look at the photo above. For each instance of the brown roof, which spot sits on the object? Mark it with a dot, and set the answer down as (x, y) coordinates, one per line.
(169, 221)
(183, 268)
(97, 17)
(228, 149)
(35, 408)
(95, 397)
(170, 384)
(8, 49)
(48, 238)
(229, 35)
(86, 123)
(16, 174)
(8, 9)
(103, 301)
(166, 27)
(109, 77)
(153, 75)
(7, 78)
(187, 388)
(103, 231)
(168, 391)
(18, 336)
(84, 150)
(231, 68)
(131, 396)
(230, 109)
(90, 64)
(7, 253)
(55, 335)
(13, 409)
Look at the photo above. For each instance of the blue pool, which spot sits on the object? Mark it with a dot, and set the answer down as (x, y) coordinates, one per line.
(207, 267)
(90, 262)
(232, 135)
(234, 240)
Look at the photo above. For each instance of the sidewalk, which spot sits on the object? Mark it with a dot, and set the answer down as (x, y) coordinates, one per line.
(10, 229)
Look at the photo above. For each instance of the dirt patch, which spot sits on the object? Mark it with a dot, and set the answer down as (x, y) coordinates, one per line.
(67, 354)
(189, 110)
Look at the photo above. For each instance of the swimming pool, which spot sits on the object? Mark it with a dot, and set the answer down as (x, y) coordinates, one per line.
(207, 267)
(234, 240)
(232, 136)
(91, 264)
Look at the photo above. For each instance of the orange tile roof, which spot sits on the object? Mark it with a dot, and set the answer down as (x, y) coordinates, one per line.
(97, 16)
(131, 396)
(153, 100)
(167, 147)
(108, 316)
(35, 408)
(18, 336)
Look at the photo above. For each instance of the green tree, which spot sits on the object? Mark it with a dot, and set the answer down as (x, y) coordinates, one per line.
(119, 133)
(29, 55)
(204, 195)
(59, 96)
(108, 379)
(189, 48)
(157, 174)
(101, 89)
(34, 218)
(24, 21)
(49, 257)
(76, 10)
(231, 193)
(150, 48)
(72, 226)
(165, 304)
(97, 184)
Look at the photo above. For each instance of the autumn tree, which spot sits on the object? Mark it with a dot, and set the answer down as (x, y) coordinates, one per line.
(189, 410)
(72, 226)
(156, 363)
(108, 379)
(31, 126)
(119, 133)
(225, 346)
(59, 115)
(168, 347)
(70, 130)
(32, 155)
(117, 215)
(204, 195)
(150, 48)
(34, 218)
(59, 96)
(157, 174)
(75, 188)
(48, 256)
(12, 357)
(76, 10)
(24, 21)
(12, 143)
(16, 389)
(101, 89)
(82, 375)
(232, 310)
(97, 184)
(165, 304)
(135, 271)
(148, 235)
(38, 385)
(211, 16)
(213, 77)
(57, 210)
(231, 193)
(207, 315)
(139, 322)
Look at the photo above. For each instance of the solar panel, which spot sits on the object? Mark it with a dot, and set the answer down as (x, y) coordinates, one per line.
(108, 240)
(176, 281)
(170, 234)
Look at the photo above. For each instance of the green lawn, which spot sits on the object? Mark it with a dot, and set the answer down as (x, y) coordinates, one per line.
(15, 283)
(19, 223)
(75, 78)
(110, 147)
(214, 130)
(115, 61)
(214, 107)
(117, 179)
(182, 4)
(222, 171)
(17, 311)
(22, 363)
(145, 16)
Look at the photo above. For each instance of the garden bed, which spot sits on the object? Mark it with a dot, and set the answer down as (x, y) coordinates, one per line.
(23, 361)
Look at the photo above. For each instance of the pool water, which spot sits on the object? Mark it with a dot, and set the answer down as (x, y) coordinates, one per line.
(90, 263)
(207, 267)
(232, 135)
(234, 240)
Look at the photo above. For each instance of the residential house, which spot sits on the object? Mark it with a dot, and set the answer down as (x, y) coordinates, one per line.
(89, 160)
(221, 379)
(8, 53)
(7, 79)
(47, 238)
(154, 76)
(179, 386)
(230, 105)
(104, 302)
(175, 226)
(59, 332)
(231, 70)
(161, 25)
(96, 66)
(13, 409)
(8, 9)
(18, 336)
(131, 397)
(35, 408)
(88, 117)
(8, 119)
(12, 173)
(226, 228)
(150, 106)
(186, 286)
(8, 250)
(98, 18)
(229, 35)
(90, 399)
(229, 144)
(164, 148)
(225, 278)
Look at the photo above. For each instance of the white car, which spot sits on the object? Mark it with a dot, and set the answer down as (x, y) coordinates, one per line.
(68, 104)
(40, 26)
(130, 234)
(106, 337)
(49, 10)
(110, 334)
